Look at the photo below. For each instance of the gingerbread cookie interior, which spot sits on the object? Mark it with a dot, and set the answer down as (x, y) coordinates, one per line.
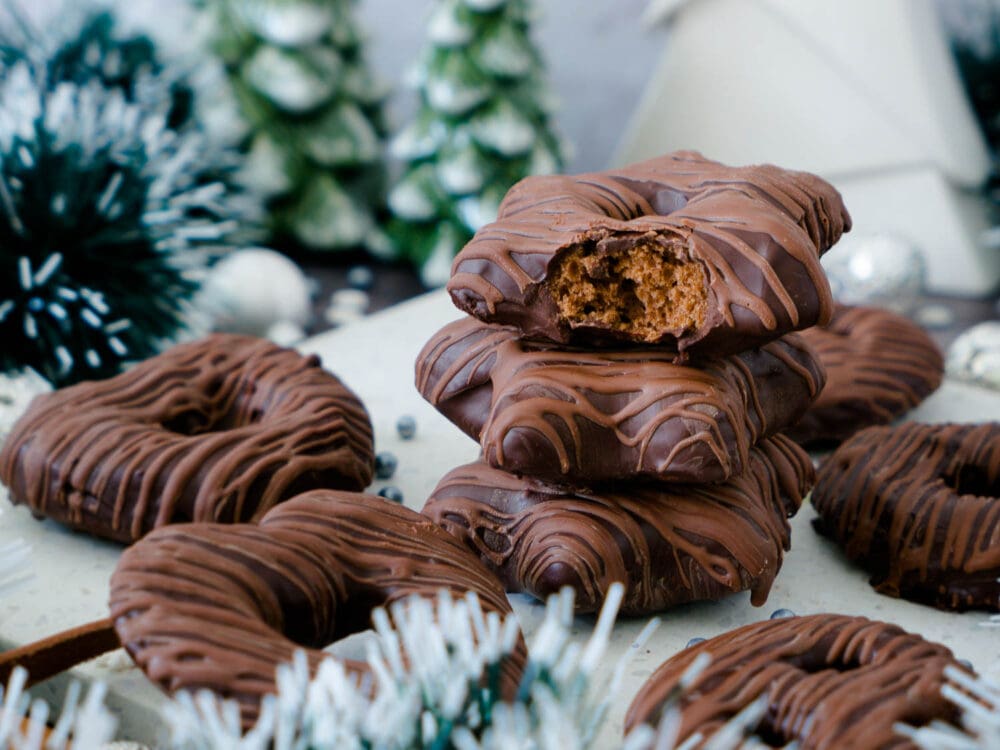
(645, 290)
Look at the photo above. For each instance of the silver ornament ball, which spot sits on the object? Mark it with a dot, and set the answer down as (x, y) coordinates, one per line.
(881, 269)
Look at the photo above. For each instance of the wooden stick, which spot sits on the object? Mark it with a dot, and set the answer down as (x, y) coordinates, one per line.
(59, 652)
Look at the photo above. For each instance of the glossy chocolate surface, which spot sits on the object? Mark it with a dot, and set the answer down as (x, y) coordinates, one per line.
(667, 544)
(830, 681)
(756, 233)
(918, 506)
(219, 429)
(577, 416)
(220, 606)
(878, 364)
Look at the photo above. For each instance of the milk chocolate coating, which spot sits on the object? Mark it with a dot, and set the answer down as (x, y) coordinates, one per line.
(668, 545)
(917, 505)
(878, 364)
(831, 681)
(220, 429)
(220, 606)
(757, 232)
(574, 415)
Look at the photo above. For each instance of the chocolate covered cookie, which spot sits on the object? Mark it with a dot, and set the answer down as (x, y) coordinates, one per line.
(829, 681)
(878, 364)
(679, 250)
(667, 544)
(917, 505)
(221, 606)
(219, 429)
(579, 416)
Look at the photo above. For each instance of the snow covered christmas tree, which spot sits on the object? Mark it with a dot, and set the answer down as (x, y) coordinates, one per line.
(315, 112)
(483, 123)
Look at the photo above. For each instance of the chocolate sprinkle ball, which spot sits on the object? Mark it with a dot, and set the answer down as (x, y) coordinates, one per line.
(679, 250)
(878, 364)
(669, 545)
(220, 429)
(220, 606)
(831, 681)
(917, 505)
(578, 416)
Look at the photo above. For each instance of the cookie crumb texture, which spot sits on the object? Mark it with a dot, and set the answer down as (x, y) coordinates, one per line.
(646, 291)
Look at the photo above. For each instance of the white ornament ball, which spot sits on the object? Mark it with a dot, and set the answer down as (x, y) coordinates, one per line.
(249, 291)
(881, 269)
(975, 355)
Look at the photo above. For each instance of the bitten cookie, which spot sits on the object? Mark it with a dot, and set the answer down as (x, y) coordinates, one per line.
(878, 364)
(830, 681)
(679, 250)
(220, 606)
(668, 545)
(220, 429)
(917, 505)
(572, 415)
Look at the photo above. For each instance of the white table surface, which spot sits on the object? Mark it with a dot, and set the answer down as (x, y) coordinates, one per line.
(375, 357)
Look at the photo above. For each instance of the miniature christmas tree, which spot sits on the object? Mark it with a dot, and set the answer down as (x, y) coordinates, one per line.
(315, 112)
(482, 125)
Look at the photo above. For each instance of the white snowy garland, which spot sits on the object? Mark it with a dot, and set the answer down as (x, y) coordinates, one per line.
(433, 684)
(978, 699)
(429, 660)
(85, 725)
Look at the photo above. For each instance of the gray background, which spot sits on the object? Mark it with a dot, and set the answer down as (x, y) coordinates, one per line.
(599, 59)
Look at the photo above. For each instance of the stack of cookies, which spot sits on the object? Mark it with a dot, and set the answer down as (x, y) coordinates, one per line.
(627, 370)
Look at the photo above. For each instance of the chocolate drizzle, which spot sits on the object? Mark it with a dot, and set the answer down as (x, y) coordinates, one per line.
(216, 430)
(757, 232)
(831, 681)
(669, 545)
(878, 364)
(221, 606)
(917, 505)
(572, 415)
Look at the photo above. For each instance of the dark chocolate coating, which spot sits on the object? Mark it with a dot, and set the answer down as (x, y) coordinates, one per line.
(831, 681)
(220, 606)
(757, 232)
(667, 544)
(917, 505)
(583, 416)
(878, 364)
(219, 429)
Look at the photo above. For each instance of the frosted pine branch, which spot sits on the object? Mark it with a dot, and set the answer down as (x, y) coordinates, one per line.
(978, 700)
(82, 725)
(435, 672)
